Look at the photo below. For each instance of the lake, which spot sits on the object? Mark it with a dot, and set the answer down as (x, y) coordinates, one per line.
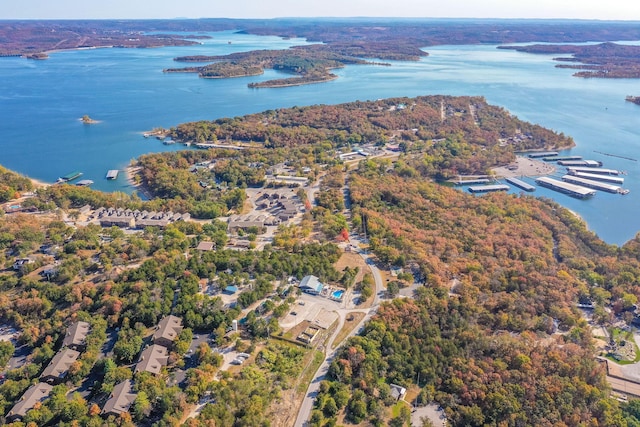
(125, 89)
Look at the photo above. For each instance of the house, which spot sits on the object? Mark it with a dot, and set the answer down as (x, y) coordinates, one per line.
(168, 330)
(206, 246)
(397, 392)
(120, 399)
(19, 263)
(76, 336)
(152, 359)
(49, 271)
(311, 285)
(57, 370)
(35, 394)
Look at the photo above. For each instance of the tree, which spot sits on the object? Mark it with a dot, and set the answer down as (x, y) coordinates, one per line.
(141, 406)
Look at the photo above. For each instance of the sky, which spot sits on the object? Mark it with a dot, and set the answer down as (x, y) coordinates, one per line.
(140, 9)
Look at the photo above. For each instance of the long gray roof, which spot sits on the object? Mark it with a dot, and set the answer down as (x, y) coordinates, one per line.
(34, 394)
(60, 363)
(76, 334)
(120, 399)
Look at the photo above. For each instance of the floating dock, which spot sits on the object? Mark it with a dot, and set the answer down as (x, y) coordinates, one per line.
(542, 154)
(112, 174)
(565, 187)
(563, 158)
(595, 176)
(69, 177)
(596, 185)
(488, 188)
(520, 184)
(84, 183)
(585, 163)
(471, 181)
(599, 171)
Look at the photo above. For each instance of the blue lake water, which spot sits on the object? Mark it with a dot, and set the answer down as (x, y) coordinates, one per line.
(41, 103)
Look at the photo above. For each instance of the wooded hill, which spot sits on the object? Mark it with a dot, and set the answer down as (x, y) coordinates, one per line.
(605, 60)
(493, 336)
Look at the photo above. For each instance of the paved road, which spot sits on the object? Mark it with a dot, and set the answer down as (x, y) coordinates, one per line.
(307, 404)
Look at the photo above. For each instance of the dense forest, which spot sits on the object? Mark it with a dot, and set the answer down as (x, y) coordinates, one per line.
(493, 336)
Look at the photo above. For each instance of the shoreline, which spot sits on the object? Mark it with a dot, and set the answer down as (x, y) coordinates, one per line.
(130, 174)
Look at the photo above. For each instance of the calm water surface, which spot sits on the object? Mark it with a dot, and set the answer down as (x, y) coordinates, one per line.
(41, 102)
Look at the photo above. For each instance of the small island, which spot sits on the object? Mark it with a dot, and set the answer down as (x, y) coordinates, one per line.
(88, 120)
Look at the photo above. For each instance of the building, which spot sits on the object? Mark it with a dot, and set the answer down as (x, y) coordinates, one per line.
(35, 394)
(168, 330)
(19, 263)
(397, 392)
(311, 285)
(57, 370)
(120, 399)
(206, 246)
(117, 221)
(237, 222)
(152, 359)
(76, 336)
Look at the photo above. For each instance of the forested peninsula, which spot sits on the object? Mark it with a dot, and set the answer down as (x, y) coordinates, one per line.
(453, 301)
(339, 42)
(604, 60)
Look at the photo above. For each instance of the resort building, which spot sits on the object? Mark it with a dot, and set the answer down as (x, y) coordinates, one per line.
(168, 330)
(57, 370)
(152, 359)
(37, 393)
(120, 399)
(76, 336)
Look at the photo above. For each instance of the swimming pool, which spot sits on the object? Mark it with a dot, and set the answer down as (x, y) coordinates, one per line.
(337, 294)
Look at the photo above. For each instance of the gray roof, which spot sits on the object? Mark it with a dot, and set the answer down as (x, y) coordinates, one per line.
(169, 328)
(152, 359)
(34, 394)
(311, 283)
(60, 363)
(76, 334)
(120, 398)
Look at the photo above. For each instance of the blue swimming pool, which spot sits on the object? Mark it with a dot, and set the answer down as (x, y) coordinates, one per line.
(337, 294)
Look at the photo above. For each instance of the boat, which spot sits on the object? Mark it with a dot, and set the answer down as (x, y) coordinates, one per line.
(112, 174)
(69, 177)
(84, 183)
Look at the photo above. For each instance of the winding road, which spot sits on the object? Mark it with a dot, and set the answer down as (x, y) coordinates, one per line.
(312, 391)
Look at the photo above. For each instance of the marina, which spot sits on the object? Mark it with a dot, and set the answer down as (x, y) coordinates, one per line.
(599, 171)
(585, 163)
(69, 177)
(542, 154)
(596, 185)
(488, 188)
(520, 184)
(112, 174)
(559, 158)
(566, 187)
(471, 181)
(595, 176)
